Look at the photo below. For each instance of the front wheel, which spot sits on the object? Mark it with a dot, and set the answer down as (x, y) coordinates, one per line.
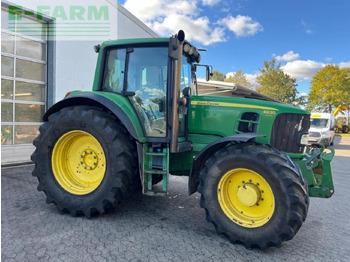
(254, 195)
(85, 161)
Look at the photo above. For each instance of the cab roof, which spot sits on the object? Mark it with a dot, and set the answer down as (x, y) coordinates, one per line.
(134, 41)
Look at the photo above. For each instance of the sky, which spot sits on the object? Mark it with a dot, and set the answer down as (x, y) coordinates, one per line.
(302, 35)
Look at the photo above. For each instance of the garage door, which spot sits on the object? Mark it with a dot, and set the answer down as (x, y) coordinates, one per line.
(23, 84)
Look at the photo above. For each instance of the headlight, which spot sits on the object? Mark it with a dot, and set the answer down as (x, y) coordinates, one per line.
(304, 139)
(325, 133)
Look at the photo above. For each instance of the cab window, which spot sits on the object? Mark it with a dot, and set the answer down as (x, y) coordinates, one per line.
(114, 71)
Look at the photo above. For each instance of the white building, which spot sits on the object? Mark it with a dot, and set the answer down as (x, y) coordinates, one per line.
(46, 51)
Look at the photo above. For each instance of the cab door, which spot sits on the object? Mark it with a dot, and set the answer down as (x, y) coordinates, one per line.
(147, 77)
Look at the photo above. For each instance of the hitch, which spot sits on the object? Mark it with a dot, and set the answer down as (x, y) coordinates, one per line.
(316, 168)
(310, 162)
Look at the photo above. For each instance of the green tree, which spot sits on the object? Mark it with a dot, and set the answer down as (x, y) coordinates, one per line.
(218, 76)
(329, 88)
(240, 79)
(273, 82)
(301, 101)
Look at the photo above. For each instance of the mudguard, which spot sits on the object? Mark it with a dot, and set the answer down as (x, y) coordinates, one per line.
(95, 100)
(210, 149)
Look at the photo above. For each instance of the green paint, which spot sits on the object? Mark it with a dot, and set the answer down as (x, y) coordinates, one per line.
(125, 105)
(76, 13)
(220, 116)
(67, 13)
(60, 13)
(149, 171)
(94, 14)
(319, 177)
(209, 119)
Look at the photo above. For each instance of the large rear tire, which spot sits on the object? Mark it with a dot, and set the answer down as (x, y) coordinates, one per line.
(345, 129)
(253, 194)
(85, 161)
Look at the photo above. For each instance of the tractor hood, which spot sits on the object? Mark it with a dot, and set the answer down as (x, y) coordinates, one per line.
(224, 116)
(220, 88)
(243, 104)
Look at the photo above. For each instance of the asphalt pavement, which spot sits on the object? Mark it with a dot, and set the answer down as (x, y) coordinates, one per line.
(171, 228)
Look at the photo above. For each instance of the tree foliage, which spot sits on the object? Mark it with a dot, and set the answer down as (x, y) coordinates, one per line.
(237, 77)
(218, 76)
(329, 88)
(240, 79)
(273, 82)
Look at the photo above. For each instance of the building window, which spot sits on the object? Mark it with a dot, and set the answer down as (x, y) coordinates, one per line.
(23, 78)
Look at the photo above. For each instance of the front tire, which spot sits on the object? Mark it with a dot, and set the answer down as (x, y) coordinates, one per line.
(253, 194)
(85, 161)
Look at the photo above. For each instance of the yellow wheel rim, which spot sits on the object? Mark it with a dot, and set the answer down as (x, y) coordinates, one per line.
(78, 162)
(246, 198)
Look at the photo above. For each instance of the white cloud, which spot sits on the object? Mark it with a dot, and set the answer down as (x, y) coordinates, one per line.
(289, 56)
(302, 69)
(344, 64)
(241, 25)
(210, 2)
(156, 10)
(196, 29)
(303, 94)
(167, 17)
(252, 78)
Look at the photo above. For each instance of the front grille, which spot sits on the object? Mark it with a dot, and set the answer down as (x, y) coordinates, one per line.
(314, 134)
(287, 130)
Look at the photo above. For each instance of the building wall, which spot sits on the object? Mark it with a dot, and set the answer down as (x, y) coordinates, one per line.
(71, 59)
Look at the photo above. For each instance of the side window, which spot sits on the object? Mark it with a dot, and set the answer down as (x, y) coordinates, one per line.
(114, 71)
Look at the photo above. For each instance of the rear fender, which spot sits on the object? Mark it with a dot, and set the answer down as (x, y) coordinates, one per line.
(133, 126)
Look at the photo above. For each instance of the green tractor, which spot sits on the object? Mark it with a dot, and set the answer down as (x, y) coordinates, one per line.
(143, 121)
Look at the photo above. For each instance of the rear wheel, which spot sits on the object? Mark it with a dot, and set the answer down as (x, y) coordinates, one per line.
(254, 195)
(85, 161)
(345, 129)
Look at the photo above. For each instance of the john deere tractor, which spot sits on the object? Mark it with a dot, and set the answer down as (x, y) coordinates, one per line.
(144, 121)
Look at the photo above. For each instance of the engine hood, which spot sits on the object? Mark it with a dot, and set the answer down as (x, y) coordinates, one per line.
(268, 107)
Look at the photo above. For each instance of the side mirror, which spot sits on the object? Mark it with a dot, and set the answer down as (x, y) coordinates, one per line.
(209, 72)
(207, 75)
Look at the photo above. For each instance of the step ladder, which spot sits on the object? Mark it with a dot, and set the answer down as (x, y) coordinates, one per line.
(155, 163)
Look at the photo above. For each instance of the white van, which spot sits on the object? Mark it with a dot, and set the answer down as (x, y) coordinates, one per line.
(322, 129)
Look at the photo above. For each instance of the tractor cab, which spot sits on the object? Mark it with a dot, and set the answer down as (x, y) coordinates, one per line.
(157, 77)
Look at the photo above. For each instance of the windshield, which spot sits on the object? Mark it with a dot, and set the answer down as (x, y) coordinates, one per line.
(319, 122)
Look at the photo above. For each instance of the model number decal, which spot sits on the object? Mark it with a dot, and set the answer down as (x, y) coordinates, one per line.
(225, 104)
(269, 112)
